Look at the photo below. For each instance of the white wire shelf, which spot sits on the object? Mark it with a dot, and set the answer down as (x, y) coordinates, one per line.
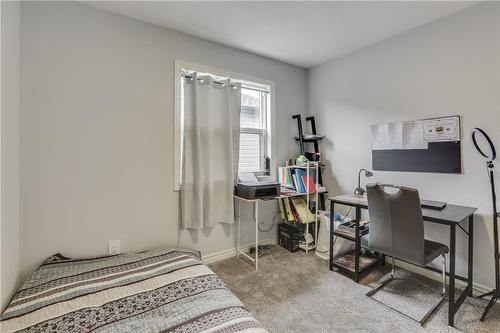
(297, 194)
(312, 165)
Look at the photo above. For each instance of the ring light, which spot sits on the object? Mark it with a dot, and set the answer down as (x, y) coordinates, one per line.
(491, 155)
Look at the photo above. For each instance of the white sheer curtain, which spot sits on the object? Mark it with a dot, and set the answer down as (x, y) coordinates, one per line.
(210, 150)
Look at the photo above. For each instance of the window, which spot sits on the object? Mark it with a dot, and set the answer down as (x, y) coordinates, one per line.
(254, 134)
(255, 119)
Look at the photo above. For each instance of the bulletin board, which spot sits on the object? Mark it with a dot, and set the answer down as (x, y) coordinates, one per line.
(426, 145)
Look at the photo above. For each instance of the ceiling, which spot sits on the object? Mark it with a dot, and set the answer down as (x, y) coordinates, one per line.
(304, 34)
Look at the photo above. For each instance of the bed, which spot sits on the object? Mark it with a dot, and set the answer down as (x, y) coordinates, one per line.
(154, 291)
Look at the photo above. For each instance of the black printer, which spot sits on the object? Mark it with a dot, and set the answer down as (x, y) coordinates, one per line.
(257, 190)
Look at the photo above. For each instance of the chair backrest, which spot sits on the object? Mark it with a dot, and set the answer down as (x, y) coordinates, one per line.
(396, 223)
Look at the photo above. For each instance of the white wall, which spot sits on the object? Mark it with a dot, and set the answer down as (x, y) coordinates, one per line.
(9, 239)
(448, 67)
(97, 99)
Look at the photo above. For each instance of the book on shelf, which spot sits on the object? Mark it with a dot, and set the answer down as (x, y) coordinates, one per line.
(294, 209)
(296, 183)
(285, 209)
(285, 177)
(308, 181)
(302, 212)
(296, 177)
(281, 175)
(300, 180)
(285, 191)
(282, 208)
(288, 210)
(294, 213)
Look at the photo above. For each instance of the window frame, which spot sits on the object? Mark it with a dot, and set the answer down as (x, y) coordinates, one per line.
(246, 81)
(263, 131)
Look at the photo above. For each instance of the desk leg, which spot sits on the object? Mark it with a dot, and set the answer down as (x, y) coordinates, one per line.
(256, 235)
(471, 253)
(239, 229)
(332, 217)
(357, 250)
(451, 285)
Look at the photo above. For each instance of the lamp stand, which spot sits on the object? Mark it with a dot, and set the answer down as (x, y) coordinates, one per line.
(495, 293)
(359, 191)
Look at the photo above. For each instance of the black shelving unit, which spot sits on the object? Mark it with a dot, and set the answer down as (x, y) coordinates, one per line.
(353, 263)
(315, 156)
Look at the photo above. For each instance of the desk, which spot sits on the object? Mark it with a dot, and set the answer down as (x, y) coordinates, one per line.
(256, 212)
(256, 202)
(451, 216)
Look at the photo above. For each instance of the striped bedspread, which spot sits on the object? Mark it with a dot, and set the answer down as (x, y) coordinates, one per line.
(153, 291)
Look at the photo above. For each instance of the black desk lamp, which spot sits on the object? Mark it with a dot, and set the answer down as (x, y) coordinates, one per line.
(359, 190)
(490, 155)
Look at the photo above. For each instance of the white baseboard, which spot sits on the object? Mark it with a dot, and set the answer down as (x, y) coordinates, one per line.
(222, 255)
(477, 288)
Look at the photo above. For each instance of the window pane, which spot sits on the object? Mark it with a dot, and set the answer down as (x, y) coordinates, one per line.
(249, 152)
(250, 109)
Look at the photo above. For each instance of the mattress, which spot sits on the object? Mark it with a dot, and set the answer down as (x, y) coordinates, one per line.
(154, 291)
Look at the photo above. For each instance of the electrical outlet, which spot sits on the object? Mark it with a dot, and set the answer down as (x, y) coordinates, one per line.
(114, 247)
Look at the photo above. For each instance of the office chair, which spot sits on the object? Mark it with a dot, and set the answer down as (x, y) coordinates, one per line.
(397, 230)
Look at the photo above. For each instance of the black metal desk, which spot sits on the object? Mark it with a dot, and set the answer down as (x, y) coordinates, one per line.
(451, 216)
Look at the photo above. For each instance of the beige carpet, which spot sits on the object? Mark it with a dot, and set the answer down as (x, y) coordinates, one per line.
(295, 292)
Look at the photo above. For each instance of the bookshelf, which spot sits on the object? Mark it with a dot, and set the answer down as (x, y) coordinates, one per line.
(291, 189)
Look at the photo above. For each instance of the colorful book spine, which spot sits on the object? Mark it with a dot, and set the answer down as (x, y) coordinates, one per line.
(294, 213)
(289, 180)
(295, 182)
(301, 210)
(301, 187)
(285, 178)
(308, 181)
(288, 210)
(282, 208)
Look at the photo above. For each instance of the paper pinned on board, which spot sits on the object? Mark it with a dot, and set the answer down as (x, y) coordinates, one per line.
(442, 129)
(387, 136)
(398, 135)
(380, 136)
(413, 135)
